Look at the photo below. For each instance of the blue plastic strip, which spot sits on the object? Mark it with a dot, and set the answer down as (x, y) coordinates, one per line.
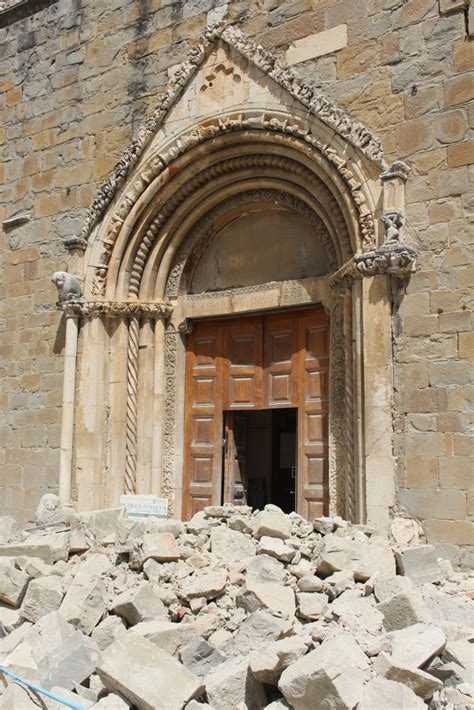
(48, 693)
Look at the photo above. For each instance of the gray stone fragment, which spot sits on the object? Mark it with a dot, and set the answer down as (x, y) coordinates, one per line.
(107, 631)
(462, 652)
(232, 684)
(139, 604)
(18, 697)
(364, 557)
(231, 545)
(258, 628)
(338, 582)
(416, 645)
(380, 694)
(267, 662)
(278, 705)
(273, 524)
(168, 636)
(159, 546)
(357, 614)
(402, 610)
(67, 695)
(50, 510)
(311, 605)
(47, 635)
(335, 671)
(35, 567)
(385, 587)
(86, 599)
(50, 548)
(264, 568)
(13, 584)
(310, 583)
(43, 596)
(209, 585)
(113, 701)
(423, 684)
(147, 676)
(199, 657)
(101, 524)
(71, 662)
(275, 548)
(269, 595)
(419, 563)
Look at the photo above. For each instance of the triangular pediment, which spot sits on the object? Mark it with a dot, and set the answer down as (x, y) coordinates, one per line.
(226, 70)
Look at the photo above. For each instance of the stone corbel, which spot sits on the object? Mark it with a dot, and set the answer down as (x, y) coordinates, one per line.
(395, 259)
(124, 309)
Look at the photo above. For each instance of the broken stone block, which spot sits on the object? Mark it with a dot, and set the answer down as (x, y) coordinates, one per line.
(13, 584)
(385, 587)
(419, 563)
(9, 530)
(416, 645)
(240, 523)
(264, 568)
(209, 586)
(461, 652)
(269, 595)
(275, 548)
(357, 614)
(310, 583)
(43, 596)
(311, 605)
(145, 675)
(50, 548)
(100, 523)
(67, 695)
(22, 662)
(159, 546)
(113, 701)
(444, 609)
(335, 671)
(107, 631)
(139, 604)
(405, 531)
(18, 697)
(71, 662)
(381, 693)
(402, 610)
(168, 636)
(267, 662)
(364, 557)
(258, 628)
(199, 657)
(47, 634)
(50, 510)
(423, 684)
(86, 600)
(324, 525)
(338, 582)
(232, 684)
(460, 698)
(231, 545)
(34, 567)
(272, 523)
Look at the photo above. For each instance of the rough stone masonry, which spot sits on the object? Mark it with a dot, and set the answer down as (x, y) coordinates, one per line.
(234, 610)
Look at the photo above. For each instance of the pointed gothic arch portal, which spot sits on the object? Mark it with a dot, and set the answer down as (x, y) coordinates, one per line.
(267, 201)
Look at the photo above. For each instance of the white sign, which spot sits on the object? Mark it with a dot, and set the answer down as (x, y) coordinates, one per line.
(139, 507)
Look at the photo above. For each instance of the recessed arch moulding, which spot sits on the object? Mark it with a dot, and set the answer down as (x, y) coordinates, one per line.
(236, 135)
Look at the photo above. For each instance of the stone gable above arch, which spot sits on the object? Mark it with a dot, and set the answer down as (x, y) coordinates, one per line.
(226, 70)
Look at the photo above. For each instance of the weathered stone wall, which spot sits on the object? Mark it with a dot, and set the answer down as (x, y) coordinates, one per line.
(76, 79)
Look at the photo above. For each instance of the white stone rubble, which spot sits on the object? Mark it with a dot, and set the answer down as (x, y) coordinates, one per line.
(234, 610)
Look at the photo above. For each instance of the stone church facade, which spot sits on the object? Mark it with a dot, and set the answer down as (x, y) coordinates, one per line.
(263, 212)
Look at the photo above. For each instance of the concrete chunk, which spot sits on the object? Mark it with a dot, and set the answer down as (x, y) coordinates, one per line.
(13, 584)
(147, 676)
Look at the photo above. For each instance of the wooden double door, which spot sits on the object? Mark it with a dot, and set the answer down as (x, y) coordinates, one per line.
(277, 360)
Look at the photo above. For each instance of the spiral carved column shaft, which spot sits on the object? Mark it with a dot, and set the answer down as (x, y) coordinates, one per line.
(132, 407)
(349, 410)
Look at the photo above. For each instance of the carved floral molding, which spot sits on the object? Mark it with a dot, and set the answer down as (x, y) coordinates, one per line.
(126, 309)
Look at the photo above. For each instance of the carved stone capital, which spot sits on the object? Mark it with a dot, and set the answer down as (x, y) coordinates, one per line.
(398, 169)
(397, 260)
(124, 309)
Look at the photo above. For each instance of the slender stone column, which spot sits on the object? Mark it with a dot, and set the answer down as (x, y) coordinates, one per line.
(132, 406)
(67, 417)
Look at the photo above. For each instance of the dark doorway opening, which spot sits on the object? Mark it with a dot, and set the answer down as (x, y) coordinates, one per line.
(259, 462)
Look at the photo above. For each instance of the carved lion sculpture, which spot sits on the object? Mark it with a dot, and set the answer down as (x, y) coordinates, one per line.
(69, 287)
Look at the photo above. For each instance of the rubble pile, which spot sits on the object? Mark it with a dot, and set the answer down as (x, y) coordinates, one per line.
(235, 609)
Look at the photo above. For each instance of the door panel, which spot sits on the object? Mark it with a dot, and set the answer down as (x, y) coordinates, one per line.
(203, 424)
(261, 362)
(235, 468)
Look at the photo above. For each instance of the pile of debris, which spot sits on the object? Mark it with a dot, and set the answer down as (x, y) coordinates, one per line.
(236, 609)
